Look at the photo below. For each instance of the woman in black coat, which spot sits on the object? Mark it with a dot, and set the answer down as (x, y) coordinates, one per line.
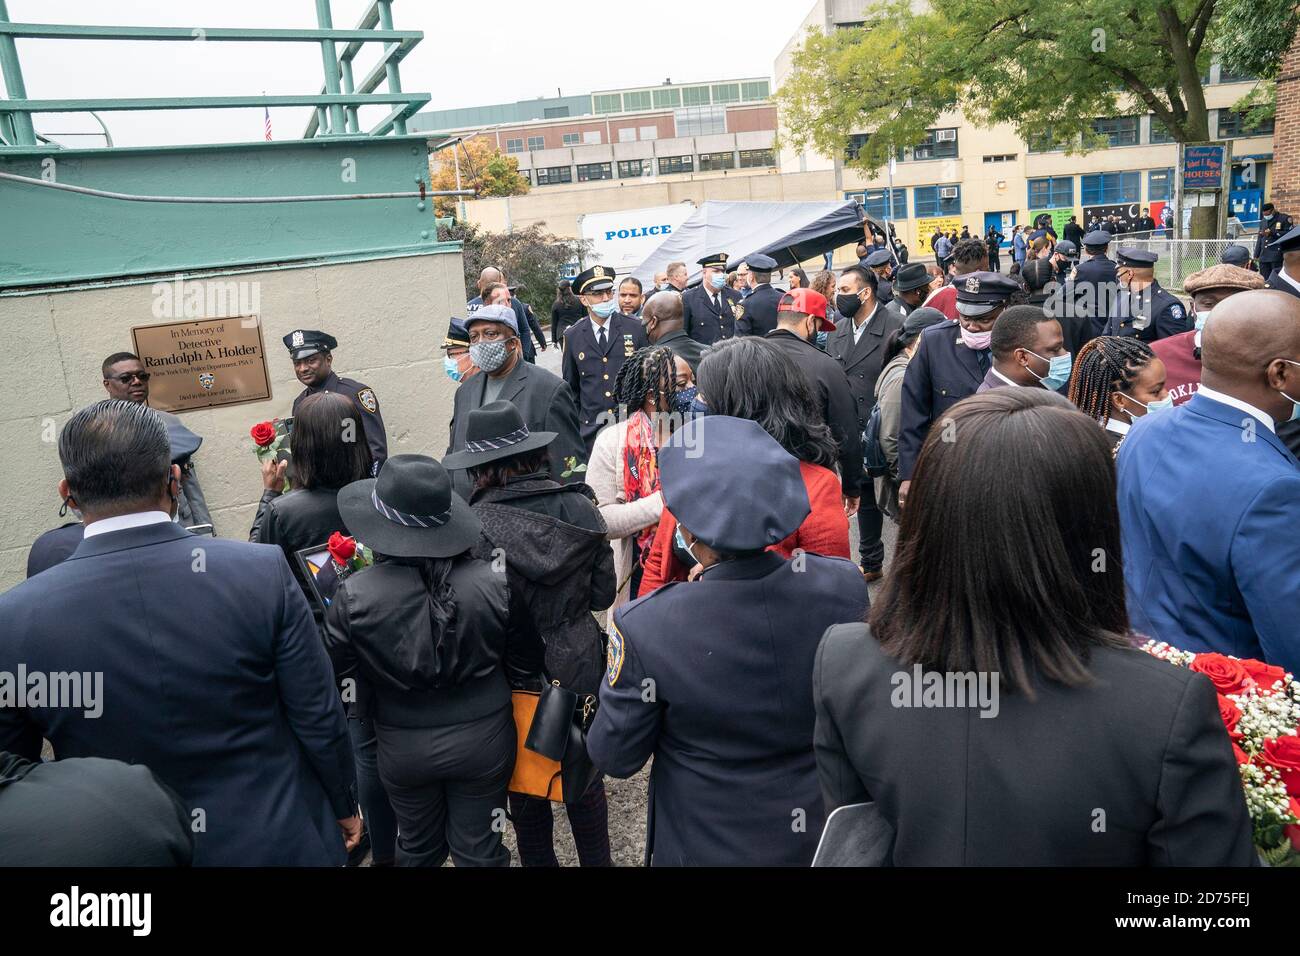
(568, 308)
(995, 708)
(561, 570)
(305, 517)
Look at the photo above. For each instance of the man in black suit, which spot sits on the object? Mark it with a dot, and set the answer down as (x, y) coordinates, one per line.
(756, 315)
(543, 399)
(213, 668)
(596, 348)
(662, 319)
(1287, 277)
(1073, 232)
(802, 314)
(950, 363)
(1273, 225)
(858, 345)
(709, 309)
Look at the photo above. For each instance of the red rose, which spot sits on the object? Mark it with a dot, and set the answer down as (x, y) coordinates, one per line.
(263, 433)
(1263, 674)
(1284, 753)
(341, 547)
(1229, 713)
(1241, 755)
(1228, 676)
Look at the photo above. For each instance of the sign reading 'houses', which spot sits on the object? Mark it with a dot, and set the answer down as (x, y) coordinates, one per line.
(1203, 166)
(203, 363)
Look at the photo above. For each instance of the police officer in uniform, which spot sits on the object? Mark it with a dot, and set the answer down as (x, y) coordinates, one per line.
(1287, 277)
(756, 315)
(882, 264)
(1095, 282)
(729, 659)
(1142, 307)
(313, 363)
(1272, 227)
(595, 349)
(709, 309)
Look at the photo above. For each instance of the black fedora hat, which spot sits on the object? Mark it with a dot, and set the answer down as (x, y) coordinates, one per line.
(495, 431)
(409, 511)
(911, 276)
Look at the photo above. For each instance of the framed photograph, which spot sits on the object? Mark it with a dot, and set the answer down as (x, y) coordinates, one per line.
(319, 572)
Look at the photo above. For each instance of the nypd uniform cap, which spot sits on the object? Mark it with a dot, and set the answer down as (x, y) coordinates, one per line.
(704, 463)
(718, 260)
(880, 257)
(457, 334)
(1290, 242)
(761, 263)
(1066, 248)
(1223, 276)
(911, 276)
(1136, 258)
(595, 279)
(979, 293)
(303, 343)
(501, 314)
(1098, 237)
(1235, 255)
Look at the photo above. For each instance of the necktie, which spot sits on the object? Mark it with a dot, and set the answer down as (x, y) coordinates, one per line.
(983, 356)
(600, 337)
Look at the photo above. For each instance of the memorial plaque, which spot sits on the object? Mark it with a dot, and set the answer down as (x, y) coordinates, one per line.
(204, 363)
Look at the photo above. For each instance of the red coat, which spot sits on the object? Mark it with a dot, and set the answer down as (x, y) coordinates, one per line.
(1182, 368)
(824, 531)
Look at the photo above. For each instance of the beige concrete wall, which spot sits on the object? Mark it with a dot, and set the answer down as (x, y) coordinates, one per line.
(389, 316)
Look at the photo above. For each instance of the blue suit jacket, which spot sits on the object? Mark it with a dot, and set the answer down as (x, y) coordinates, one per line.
(214, 677)
(1211, 554)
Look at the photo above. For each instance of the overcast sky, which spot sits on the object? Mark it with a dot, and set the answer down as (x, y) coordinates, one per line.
(496, 51)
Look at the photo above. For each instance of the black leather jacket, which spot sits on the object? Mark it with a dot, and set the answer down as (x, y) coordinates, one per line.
(300, 519)
(381, 629)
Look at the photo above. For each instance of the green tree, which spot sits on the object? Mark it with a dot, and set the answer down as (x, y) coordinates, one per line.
(483, 169)
(532, 258)
(1046, 70)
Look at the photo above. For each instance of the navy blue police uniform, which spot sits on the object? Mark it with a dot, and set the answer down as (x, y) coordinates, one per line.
(1289, 242)
(1151, 314)
(944, 369)
(1268, 253)
(884, 287)
(713, 678)
(1095, 283)
(590, 369)
(304, 343)
(756, 314)
(704, 320)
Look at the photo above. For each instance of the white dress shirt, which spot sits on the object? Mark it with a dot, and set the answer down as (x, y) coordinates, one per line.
(1003, 377)
(1295, 284)
(859, 329)
(122, 522)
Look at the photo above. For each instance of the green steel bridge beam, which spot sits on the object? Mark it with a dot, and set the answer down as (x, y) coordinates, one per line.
(62, 31)
(411, 101)
(15, 128)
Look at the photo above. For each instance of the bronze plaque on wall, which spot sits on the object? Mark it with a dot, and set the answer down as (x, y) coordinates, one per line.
(203, 363)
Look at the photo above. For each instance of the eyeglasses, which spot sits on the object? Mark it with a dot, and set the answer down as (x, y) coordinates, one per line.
(129, 377)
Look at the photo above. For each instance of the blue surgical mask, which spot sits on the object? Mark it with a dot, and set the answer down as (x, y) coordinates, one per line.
(451, 367)
(1201, 318)
(718, 280)
(821, 340)
(1058, 370)
(604, 309)
(682, 545)
(1295, 405)
(1160, 406)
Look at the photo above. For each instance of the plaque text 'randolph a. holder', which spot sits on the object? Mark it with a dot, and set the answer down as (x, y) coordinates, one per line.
(204, 363)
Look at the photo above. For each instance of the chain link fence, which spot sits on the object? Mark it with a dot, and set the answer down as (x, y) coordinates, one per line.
(1179, 258)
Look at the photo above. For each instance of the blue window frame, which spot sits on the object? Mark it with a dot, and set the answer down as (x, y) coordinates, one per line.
(1053, 192)
(875, 202)
(1104, 189)
(932, 201)
(1160, 184)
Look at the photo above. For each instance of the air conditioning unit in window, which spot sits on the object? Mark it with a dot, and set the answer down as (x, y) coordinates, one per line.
(947, 192)
(946, 135)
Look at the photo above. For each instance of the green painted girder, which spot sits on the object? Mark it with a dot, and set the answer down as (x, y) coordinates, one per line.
(412, 100)
(69, 31)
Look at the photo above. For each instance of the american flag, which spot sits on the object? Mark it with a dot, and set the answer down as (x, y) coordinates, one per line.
(267, 124)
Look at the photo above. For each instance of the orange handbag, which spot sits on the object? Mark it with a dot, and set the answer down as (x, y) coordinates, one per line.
(534, 775)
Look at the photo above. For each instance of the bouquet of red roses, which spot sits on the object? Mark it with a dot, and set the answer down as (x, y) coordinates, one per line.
(269, 438)
(348, 554)
(1260, 707)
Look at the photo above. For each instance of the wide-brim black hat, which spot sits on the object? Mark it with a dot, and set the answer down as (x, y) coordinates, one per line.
(495, 431)
(409, 511)
(911, 276)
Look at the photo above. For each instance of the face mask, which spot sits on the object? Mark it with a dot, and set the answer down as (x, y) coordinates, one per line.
(1058, 370)
(847, 305)
(604, 309)
(976, 340)
(717, 280)
(684, 399)
(665, 287)
(1295, 409)
(681, 543)
(821, 340)
(1160, 406)
(489, 356)
(1202, 318)
(451, 367)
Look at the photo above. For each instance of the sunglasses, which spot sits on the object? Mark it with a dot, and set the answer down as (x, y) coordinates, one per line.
(131, 376)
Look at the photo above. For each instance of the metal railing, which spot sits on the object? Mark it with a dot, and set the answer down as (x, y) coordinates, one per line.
(336, 105)
(1179, 258)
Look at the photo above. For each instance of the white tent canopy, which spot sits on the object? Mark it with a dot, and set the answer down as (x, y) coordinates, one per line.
(789, 232)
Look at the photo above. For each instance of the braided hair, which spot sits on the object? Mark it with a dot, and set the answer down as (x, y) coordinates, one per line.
(647, 370)
(1105, 365)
